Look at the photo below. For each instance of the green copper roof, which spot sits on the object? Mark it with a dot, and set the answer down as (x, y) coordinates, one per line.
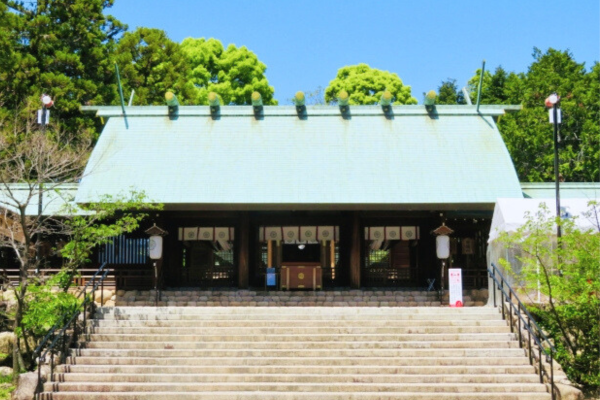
(568, 190)
(57, 199)
(366, 161)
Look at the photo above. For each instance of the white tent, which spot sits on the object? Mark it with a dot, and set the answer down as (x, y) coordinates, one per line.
(511, 214)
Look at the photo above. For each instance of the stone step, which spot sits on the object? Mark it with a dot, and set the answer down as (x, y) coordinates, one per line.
(306, 361)
(293, 396)
(297, 317)
(296, 353)
(109, 323)
(299, 330)
(298, 369)
(310, 311)
(436, 337)
(306, 302)
(302, 353)
(296, 378)
(303, 345)
(291, 387)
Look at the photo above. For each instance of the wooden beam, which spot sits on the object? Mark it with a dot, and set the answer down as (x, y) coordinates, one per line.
(355, 252)
(244, 255)
(270, 253)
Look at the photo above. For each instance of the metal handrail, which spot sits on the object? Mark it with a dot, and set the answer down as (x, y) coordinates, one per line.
(527, 322)
(97, 282)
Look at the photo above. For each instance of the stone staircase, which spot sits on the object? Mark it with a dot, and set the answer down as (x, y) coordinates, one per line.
(269, 353)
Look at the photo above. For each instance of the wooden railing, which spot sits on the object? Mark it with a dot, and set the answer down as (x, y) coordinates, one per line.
(121, 276)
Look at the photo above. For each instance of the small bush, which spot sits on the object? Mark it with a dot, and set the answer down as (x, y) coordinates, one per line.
(47, 305)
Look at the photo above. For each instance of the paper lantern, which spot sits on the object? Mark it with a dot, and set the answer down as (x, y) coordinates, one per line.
(442, 246)
(155, 245)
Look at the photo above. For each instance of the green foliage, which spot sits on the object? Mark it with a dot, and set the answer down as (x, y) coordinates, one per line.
(47, 305)
(152, 64)
(528, 134)
(567, 276)
(233, 73)
(6, 387)
(365, 85)
(448, 93)
(62, 48)
(111, 217)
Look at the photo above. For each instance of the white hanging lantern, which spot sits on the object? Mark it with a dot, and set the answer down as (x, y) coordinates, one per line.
(442, 246)
(155, 246)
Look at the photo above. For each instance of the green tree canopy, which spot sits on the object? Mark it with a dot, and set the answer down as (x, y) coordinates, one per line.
(152, 64)
(528, 134)
(448, 93)
(59, 47)
(365, 85)
(233, 73)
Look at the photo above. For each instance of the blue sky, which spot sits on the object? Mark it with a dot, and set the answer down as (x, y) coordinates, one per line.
(304, 43)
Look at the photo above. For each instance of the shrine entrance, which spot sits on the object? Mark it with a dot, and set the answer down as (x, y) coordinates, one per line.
(208, 257)
(391, 257)
(304, 257)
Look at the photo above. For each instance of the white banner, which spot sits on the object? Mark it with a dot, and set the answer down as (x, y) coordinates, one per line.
(375, 233)
(455, 287)
(409, 233)
(209, 233)
(308, 233)
(291, 233)
(222, 233)
(326, 233)
(190, 233)
(206, 234)
(392, 233)
(273, 233)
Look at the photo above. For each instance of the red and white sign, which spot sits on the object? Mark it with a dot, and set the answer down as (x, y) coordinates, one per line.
(455, 287)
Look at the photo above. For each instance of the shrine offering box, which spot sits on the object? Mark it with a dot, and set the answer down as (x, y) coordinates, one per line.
(301, 276)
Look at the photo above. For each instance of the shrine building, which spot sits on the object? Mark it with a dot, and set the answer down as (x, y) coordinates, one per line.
(351, 194)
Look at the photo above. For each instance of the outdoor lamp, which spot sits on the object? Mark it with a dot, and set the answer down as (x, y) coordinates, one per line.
(43, 115)
(47, 101)
(552, 100)
(555, 118)
(155, 250)
(442, 246)
(155, 247)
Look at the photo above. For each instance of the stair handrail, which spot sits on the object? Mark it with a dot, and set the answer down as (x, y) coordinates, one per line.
(533, 330)
(96, 282)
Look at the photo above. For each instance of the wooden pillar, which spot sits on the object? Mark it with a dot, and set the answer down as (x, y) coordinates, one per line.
(244, 254)
(355, 243)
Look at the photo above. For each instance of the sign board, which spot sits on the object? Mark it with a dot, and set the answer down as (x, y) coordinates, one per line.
(43, 117)
(558, 116)
(271, 277)
(455, 286)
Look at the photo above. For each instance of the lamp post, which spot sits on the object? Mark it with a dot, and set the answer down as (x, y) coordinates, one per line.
(43, 120)
(554, 114)
(155, 251)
